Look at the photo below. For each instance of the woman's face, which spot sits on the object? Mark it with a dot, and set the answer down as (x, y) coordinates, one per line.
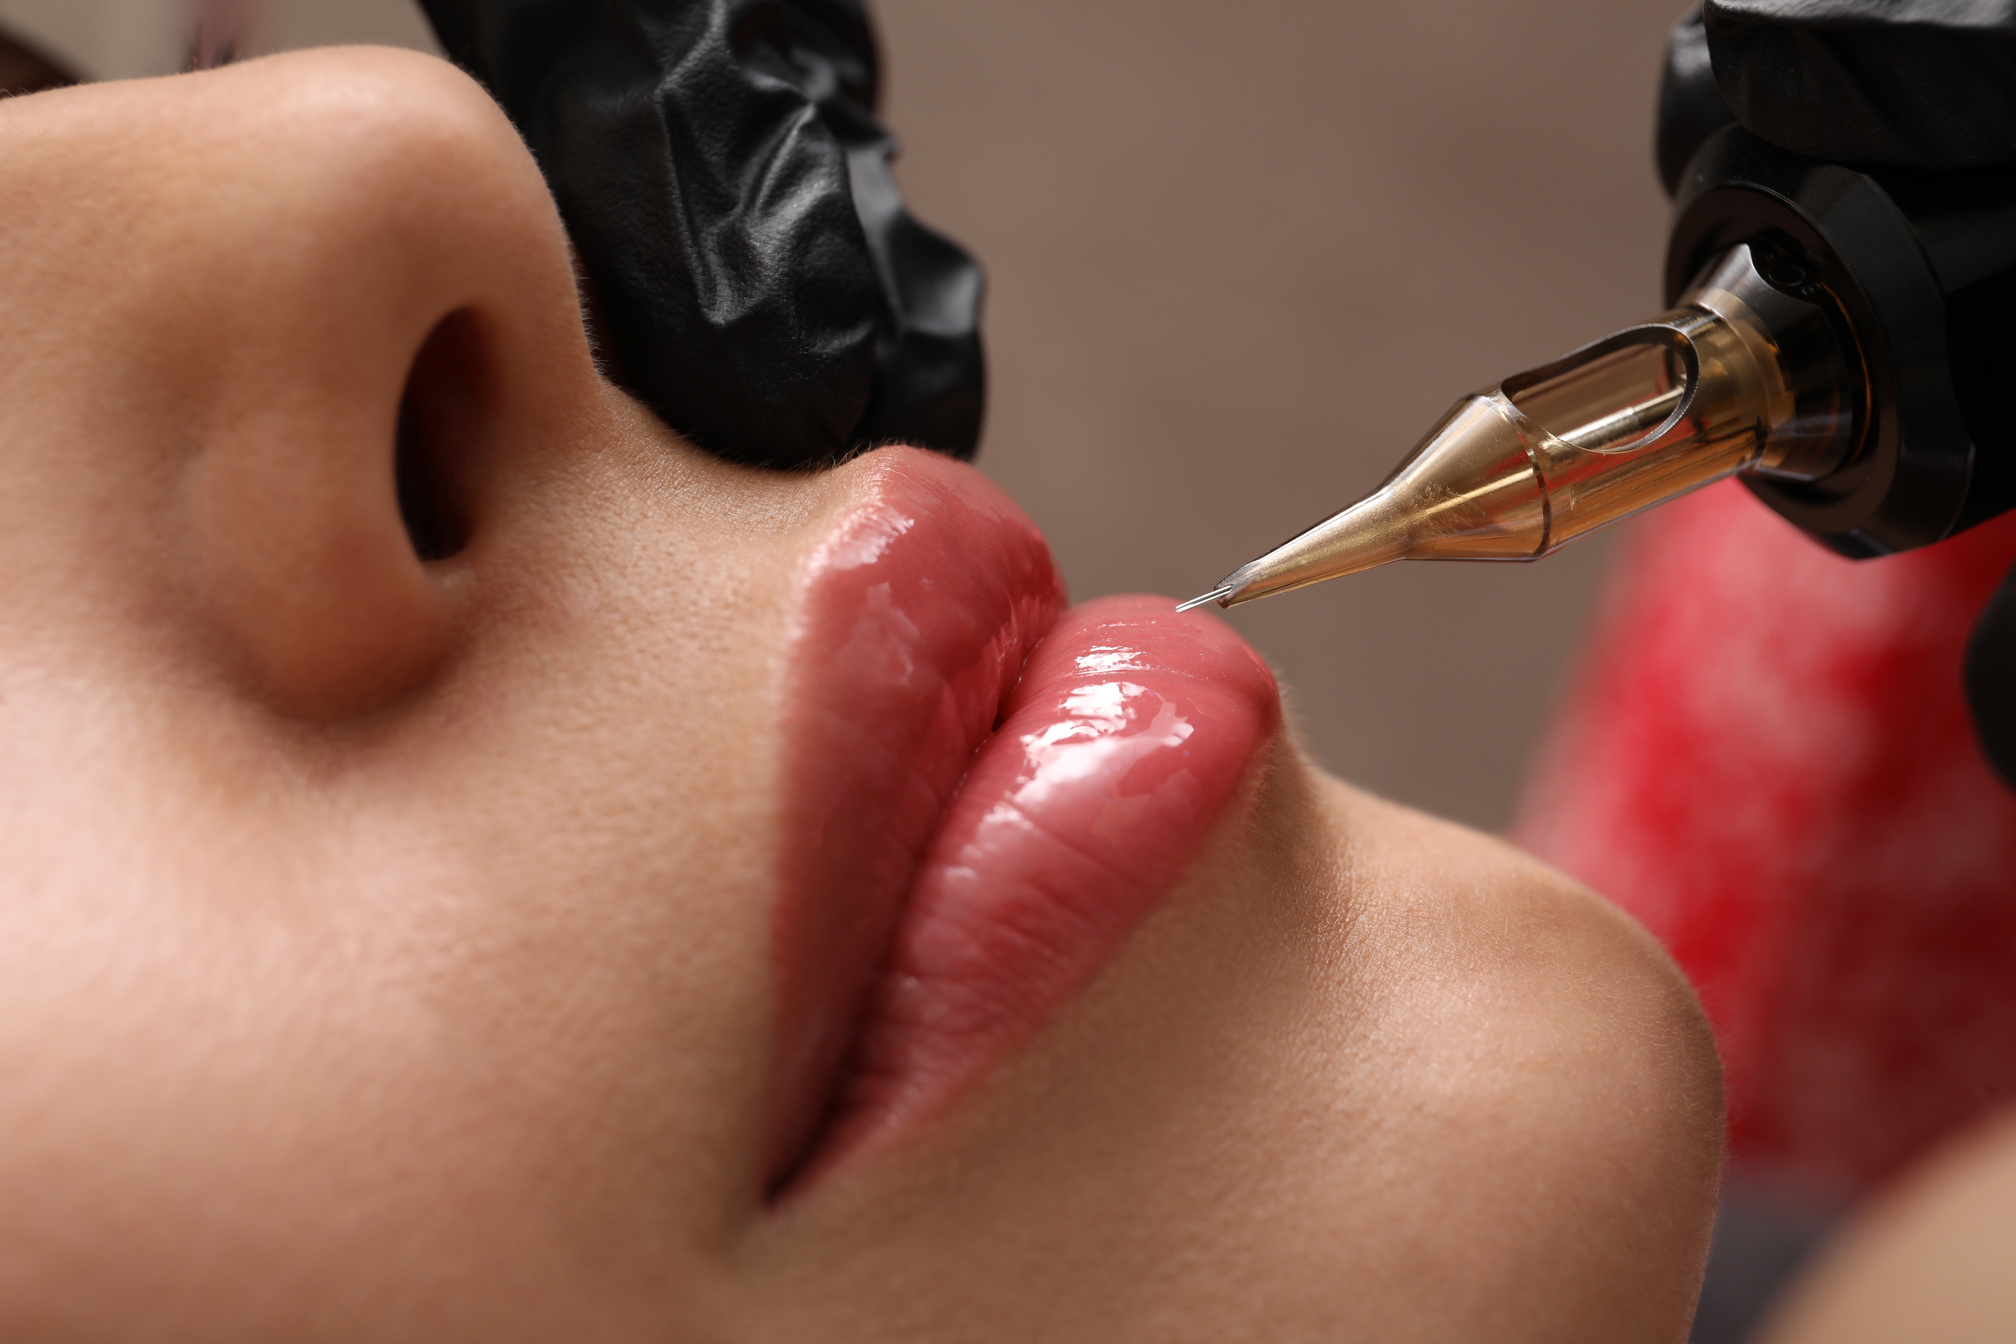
(691, 902)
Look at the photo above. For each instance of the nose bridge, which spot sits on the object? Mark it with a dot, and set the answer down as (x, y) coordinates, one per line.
(232, 276)
(345, 205)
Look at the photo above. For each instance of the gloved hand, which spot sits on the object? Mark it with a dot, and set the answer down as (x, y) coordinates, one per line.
(752, 271)
(1872, 83)
(1925, 85)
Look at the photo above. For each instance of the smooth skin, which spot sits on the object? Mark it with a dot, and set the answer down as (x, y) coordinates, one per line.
(384, 942)
(1929, 1260)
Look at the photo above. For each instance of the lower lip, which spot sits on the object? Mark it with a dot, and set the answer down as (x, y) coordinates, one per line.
(1127, 735)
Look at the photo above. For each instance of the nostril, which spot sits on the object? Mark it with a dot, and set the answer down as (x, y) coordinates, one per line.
(440, 420)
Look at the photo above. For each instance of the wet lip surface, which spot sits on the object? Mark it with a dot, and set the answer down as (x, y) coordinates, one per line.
(983, 795)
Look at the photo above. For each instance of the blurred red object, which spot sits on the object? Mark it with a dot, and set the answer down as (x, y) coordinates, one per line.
(1766, 758)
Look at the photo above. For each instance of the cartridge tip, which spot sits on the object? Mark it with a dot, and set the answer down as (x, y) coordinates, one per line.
(1218, 595)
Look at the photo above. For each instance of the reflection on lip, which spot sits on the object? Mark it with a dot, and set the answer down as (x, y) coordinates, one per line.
(969, 838)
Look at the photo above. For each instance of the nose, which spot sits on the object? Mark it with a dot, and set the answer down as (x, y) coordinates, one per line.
(268, 338)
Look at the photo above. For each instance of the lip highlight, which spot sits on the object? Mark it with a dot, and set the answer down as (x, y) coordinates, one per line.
(984, 795)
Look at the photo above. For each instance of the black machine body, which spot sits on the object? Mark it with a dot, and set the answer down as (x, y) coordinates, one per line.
(1919, 271)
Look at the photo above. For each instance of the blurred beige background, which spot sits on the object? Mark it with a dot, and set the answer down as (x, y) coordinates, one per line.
(1242, 256)
(130, 39)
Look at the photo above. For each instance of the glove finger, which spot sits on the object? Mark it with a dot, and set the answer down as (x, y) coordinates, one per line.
(1896, 83)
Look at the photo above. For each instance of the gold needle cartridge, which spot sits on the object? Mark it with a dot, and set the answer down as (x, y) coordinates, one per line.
(1748, 372)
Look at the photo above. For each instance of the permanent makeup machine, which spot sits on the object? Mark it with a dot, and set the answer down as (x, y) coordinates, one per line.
(1841, 338)
(1841, 325)
(1837, 339)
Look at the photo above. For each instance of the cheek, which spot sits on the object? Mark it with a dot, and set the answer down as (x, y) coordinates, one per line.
(472, 991)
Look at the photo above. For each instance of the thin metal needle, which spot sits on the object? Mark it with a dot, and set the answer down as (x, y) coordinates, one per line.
(1215, 595)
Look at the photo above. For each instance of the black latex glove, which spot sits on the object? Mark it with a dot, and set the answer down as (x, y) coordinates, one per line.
(1913, 84)
(1873, 83)
(752, 268)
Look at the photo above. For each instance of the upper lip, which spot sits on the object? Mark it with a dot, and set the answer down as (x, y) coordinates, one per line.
(919, 608)
(919, 612)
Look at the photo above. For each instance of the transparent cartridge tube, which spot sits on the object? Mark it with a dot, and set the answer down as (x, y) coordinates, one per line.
(1750, 372)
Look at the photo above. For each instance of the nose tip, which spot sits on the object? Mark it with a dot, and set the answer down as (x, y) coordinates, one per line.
(273, 304)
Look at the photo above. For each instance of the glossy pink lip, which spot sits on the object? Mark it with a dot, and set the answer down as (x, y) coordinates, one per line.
(983, 795)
